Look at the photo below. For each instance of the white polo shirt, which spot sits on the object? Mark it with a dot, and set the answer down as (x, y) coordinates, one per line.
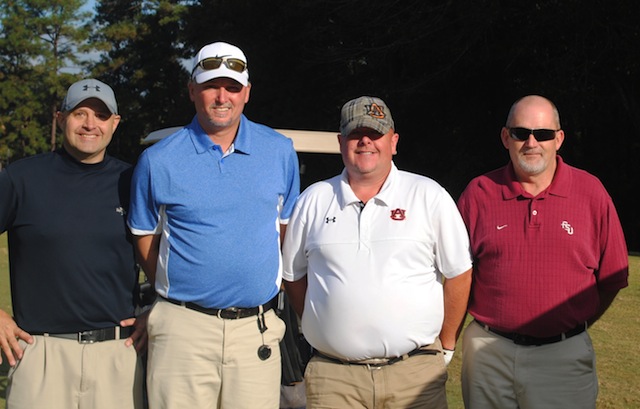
(374, 274)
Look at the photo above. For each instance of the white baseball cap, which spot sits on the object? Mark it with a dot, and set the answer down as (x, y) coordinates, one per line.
(220, 60)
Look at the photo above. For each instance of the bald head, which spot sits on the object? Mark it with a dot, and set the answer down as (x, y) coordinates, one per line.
(528, 108)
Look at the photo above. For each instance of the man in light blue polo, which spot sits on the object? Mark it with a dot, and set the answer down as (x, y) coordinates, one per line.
(209, 205)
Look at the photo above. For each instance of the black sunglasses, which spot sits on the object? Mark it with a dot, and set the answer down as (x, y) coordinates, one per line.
(213, 63)
(522, 134)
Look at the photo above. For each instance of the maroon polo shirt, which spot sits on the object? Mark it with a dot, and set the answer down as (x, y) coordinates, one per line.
(540, 261)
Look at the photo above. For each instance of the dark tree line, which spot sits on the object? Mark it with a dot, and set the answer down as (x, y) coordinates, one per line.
(448, 69)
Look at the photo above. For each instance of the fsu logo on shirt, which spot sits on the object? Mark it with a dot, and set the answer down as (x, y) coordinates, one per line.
(398, 214)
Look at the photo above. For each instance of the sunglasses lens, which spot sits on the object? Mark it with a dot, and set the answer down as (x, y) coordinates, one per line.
(211, 63)
(231, 63)
(522, 134)
(235, 64)
(544, 134)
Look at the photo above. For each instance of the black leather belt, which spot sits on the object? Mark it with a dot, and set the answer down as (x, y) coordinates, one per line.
(520, 339)
(232, 313)
(95, 335)
(378, 362)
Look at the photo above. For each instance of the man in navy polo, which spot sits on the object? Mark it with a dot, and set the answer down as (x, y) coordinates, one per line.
(73, 271)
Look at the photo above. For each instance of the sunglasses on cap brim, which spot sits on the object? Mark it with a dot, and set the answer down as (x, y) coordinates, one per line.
(213, 63)
(522, 134)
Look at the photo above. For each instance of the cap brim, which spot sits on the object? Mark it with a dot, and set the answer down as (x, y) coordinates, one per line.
(70, 105)
(364, 123)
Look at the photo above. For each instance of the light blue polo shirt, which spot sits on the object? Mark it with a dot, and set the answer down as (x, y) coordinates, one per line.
(218, 215)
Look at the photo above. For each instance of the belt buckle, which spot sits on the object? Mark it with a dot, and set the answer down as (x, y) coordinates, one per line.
(229, 313)
(86, 337)
(378, 365)
(519, 339)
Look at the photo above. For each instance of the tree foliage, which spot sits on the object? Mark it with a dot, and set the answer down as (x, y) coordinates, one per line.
(142, 61)
(39, 38)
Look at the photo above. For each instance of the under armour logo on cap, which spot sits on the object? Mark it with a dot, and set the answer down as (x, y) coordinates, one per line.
(90, 88)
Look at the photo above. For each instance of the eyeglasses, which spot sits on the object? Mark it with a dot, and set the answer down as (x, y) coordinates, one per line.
(522, 134)
(213, 63)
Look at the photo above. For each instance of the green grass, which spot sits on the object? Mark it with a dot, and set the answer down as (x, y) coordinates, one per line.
(614, 336)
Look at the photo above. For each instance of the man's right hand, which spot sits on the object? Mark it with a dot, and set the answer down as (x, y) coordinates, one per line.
(10, 333)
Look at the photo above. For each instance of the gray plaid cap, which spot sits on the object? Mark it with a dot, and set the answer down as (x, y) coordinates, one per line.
(365, 112)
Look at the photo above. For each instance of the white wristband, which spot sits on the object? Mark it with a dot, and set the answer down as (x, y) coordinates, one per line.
(448, 355)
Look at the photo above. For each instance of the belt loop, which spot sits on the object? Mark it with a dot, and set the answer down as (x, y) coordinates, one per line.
(280, 302)
(117, 332)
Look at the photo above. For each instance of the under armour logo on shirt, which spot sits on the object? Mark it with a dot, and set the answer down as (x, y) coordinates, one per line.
(330, 219)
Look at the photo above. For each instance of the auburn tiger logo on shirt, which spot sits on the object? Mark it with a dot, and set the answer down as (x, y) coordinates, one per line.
(398, 214)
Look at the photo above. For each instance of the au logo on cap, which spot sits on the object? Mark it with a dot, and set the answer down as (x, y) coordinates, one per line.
(375, 111)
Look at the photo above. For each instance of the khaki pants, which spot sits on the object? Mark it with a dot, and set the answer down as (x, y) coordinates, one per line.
(202, 361)
(496, 373)
(61, 373)
(417, 382)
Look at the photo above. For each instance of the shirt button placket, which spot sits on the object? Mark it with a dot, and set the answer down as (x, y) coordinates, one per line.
(365, 228)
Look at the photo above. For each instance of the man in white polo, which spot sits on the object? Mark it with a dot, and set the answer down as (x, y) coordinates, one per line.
(377, 264)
